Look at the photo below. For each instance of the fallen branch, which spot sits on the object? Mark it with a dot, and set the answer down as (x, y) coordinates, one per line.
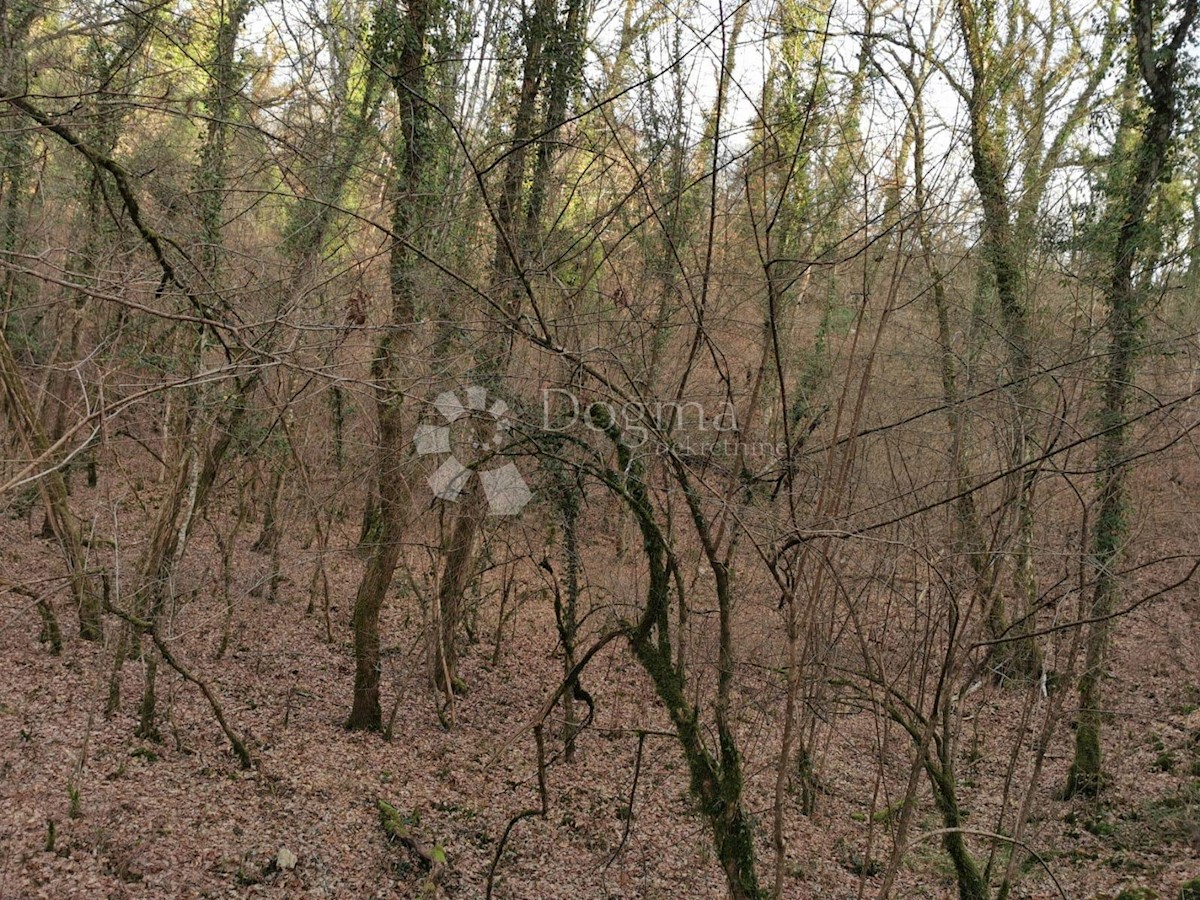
(432, 860)
(524, 814)
(637, 770)
(239, 745)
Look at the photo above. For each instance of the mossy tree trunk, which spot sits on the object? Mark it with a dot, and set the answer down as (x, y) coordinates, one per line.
(933, 736)
(1158, 68)
(400, 48)
(550, 72)
(715, 777)
(1003, 254)
(997, 96)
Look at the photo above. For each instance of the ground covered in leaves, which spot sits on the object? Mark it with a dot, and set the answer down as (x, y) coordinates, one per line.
(89, 810)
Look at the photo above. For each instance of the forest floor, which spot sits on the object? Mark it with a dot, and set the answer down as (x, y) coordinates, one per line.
(89, 810)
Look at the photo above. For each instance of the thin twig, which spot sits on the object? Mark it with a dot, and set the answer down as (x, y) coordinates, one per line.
(524, 814)
(239, 745)
(979, 832)
(637, 770)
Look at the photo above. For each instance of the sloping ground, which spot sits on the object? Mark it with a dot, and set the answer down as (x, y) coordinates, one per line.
(133, 818)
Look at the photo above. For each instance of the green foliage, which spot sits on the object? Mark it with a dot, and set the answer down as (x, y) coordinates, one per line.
(1137, 893)
(1164, 762)
(1100, 827)
(395, 823)
(888, 814)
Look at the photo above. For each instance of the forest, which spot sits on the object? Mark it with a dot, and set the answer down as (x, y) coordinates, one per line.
(627, 448)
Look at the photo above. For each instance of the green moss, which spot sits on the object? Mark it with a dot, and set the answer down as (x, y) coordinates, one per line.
(888, 814)
(1165, 762)
(1085, 777)
(1190, 890)
(1100, 827)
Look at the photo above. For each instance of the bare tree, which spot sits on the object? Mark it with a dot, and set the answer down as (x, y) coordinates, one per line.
(1156, 59)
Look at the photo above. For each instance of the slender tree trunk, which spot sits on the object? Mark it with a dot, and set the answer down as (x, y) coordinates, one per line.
(194, 472)
(1022, 657)
(394, 498)
(16, 23)
(54, 492)
(457, 573)
(971, 537)
(715, 778)
(268, 537)
(514, 240)
(1158, 68)
(105, 111)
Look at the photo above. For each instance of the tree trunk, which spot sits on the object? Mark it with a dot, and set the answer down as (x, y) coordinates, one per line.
(53, 488)
(716, 780)
(195, 472)
(1158, 70)
(1021, 657)
(459, 569)
(394, 498)
(513, 239)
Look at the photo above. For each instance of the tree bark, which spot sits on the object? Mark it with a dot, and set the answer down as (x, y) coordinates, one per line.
(394, 499)
(53, 488)
(1021, 657)
(1158, 69)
